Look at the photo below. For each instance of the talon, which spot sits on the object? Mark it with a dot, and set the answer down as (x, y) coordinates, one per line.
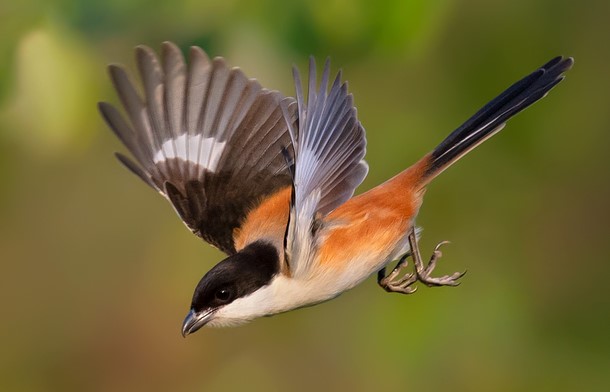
(392, 283)
(410, 290)
(437, 254)
(441, 244)
(422, 272)
(402, 289)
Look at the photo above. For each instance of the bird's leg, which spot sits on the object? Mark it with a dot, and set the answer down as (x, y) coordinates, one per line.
(391, 284)
(422, 272)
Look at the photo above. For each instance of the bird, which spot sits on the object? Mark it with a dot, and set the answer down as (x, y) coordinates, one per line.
(269, 179)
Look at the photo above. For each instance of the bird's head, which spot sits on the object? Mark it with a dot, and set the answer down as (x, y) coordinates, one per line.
(224, 296)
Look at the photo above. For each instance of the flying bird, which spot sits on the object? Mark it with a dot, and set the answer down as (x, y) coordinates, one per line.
(269, 180)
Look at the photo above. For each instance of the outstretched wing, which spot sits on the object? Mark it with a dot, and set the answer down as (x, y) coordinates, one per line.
(204, 135)
(329, 147)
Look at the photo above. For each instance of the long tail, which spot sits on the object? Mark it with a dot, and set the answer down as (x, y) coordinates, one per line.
(493, 116)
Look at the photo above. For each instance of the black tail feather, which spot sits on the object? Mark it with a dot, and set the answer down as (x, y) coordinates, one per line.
(491, 117)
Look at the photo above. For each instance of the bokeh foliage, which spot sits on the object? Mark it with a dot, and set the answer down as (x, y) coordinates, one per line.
(97, 272)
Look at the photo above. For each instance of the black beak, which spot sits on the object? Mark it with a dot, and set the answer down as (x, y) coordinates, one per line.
(195, 320)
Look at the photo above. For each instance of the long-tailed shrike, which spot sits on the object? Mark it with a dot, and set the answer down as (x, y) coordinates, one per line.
(269, 180)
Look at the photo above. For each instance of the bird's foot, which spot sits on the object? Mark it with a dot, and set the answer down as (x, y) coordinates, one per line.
(404, 285)
(423, 273)
(392, 283)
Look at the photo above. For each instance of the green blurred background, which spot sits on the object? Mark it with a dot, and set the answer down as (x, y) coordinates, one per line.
(98, 272)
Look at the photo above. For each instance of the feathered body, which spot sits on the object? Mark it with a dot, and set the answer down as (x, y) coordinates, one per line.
(269, 179)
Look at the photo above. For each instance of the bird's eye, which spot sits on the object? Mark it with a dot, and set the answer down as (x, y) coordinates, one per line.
(223, 294)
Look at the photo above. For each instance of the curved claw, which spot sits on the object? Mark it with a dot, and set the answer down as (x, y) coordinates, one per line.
(399, 288)
(438, 246)
(392, 283)
(437, 254)
(410, 290)
(447, 280)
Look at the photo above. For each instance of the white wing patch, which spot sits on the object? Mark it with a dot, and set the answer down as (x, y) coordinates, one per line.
(192, 148)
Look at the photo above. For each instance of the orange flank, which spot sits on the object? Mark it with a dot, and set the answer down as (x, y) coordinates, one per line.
(266, 222)
(375, 223)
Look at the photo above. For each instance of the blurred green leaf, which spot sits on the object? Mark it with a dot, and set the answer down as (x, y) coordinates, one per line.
(55, 91)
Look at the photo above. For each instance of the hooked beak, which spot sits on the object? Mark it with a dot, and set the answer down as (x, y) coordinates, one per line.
(195, 320)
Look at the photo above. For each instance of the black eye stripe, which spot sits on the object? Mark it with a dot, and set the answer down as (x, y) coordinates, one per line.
(240, 275)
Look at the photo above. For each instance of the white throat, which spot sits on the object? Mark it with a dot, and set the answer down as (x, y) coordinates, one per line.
(281, 295)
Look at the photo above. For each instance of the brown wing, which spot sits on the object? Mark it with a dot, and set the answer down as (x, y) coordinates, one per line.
(204, 135)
